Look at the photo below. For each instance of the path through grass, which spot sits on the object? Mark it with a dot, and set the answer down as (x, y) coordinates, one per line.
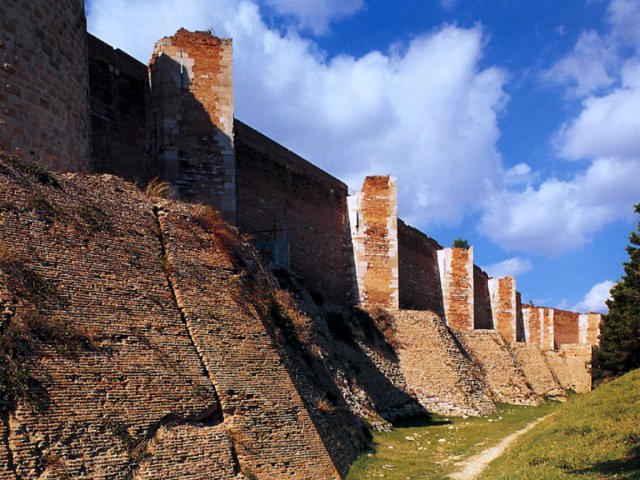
(593, 436)
(431, 449)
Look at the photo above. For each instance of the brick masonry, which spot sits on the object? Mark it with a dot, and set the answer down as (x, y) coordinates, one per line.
(419, 276)
(295, 213)
(456, 277)
(483, 317)
(118, 86)
(504, 306)
(190, 118)
(44, 104)
(373, 215)
(173, 370)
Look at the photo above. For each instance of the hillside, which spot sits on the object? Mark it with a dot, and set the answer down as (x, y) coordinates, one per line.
(593, 436)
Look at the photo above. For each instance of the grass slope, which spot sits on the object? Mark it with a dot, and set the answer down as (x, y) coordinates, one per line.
(592, 436)
(431, 450)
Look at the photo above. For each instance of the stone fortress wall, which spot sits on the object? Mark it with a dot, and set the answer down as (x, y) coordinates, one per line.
(456, 339)
(44, 111)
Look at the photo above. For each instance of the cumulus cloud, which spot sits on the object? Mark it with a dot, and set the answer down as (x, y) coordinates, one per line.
(587, 68)
(594, 299)
(316, 15)
(556, 215)
(512, 267)
(425, 113)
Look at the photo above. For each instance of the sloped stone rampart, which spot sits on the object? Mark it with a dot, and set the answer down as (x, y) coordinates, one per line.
(437, 370)
(502, 373)
(88, 254)
(173, 454)
(537, 370)
(572, 366)
(273, 433)
(84, 253)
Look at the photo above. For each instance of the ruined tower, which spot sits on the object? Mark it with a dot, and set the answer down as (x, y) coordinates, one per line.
(44, 107)
(190, 118)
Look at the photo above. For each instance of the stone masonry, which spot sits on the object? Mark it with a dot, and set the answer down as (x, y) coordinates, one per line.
(44, 103)
(502, 372)
(437, 369)
(190, 118)
(170, 361)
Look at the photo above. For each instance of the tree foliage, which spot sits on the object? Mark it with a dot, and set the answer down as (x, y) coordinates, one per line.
(619, 349)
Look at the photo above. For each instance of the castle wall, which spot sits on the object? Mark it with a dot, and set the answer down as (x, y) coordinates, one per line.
(82, 259)
(44, 106)
(295, 213)
(520, 333)
(572, 366)
(537, 370)
(437, 369)
(190, 118)
(502, 372)
(589, 328)
(274, 435)
(419, 278)
(547, 333)
(456, 277)
(151, 340)
(566, 327)
(504, 306)
(482, 315)
(374, 233)
(118, 86)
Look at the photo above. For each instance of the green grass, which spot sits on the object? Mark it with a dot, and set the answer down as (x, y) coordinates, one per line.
(592, 436)
(431, 450)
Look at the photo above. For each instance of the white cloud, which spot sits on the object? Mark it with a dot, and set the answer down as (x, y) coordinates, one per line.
(316, 15)
(448, 4)
(520, 174)
(587, 68)
(512, 267)
(558, 215)
(427, 115)
(594, 299)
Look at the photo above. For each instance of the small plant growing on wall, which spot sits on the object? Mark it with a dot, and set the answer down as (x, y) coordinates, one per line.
(460, 243)
(158, 188)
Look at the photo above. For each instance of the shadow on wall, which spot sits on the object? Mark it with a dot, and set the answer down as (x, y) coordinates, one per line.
(186, 148)
(295, 213)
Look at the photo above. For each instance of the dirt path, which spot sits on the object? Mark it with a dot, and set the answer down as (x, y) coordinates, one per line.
(473, 466)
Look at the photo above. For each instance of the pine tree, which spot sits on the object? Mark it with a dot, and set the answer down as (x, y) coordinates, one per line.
(619, 349)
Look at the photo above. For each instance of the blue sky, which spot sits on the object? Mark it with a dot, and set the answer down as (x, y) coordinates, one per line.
(512, 124)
